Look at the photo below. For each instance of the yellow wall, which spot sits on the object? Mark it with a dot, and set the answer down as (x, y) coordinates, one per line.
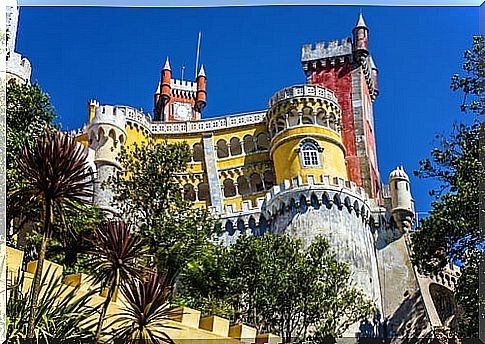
(286, 159)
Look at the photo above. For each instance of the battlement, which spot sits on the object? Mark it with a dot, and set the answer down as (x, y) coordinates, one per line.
(19, 67)
(183, 85)
(303, 91)
(109, 115)
(322, 50)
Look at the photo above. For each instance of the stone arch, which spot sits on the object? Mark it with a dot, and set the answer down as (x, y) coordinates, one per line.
(326, 200)
(280, 124)
(321, 117)
(101, 136)
(314, 201)
(241, 227)
(248, 143)
(112, 135)
(256, 183)
(189, 192)
(252, 226)
(303, 205)
(263, 225)
(332, 121)
(293, 118)
(348, 204)
(443, 301)
(307, 115)
(337, 201)
(229, 227)
(203, 193)
(262, 141)
(222, 149)
(268, 179)
(243, 186)
(229, 188)
(235, 146)
(198, 152)
(356, 208)
(121, 139)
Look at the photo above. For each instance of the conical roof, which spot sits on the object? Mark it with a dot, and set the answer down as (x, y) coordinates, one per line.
(167, 65)
(201, 71)
(360, 22)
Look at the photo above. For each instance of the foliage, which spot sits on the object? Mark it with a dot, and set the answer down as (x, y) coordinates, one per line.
(56, 178)
(148, 194)
(147, 310)
(452, 231)
(61, 313)
(28, 113)
(116, 253)
(69, 247)
(275, 285)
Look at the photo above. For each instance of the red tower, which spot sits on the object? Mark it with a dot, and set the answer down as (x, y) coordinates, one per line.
(179, 100)
(348, 70)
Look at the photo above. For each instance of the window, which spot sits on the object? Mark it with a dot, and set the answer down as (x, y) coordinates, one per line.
(310, 153)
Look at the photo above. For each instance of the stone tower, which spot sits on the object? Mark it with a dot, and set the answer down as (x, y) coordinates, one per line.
(106, 135)
(347, 69)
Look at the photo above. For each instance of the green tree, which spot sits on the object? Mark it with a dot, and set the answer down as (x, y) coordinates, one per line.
(275, 285)
(55, 177)
(28, 113)
(452, 231)
(148, 194)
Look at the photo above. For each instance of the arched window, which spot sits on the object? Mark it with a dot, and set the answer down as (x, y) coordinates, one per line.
(269, 179)
(235, 145)
(310, 153)
(256, 183)
(222, 149)
(263, 141)
(189, 193)
(198, 152)
(249, 144)
(229, 188)
(243, 186)
(203, 192)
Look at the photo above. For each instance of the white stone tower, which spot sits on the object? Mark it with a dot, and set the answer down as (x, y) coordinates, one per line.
(106, 135)
(18, 67)
(402, 204)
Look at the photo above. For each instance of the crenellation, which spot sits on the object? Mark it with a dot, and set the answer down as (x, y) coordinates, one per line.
(324, 50)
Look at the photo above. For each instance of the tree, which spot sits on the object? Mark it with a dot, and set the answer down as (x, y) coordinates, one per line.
(28, 113)
(452, 231)
(146, 312)
(117, 256)
(55, 177)
(277, 286)
(148, 194)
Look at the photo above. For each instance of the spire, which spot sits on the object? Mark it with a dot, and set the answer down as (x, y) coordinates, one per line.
(361, 22)
(158, 88)
(201, 71)
(167, 65)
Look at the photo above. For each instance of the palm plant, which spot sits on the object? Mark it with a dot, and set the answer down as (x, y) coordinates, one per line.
(116, 254)
(61, 313)
(56, 177)
(148, 308)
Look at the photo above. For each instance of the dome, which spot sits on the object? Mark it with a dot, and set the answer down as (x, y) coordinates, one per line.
(398, 173)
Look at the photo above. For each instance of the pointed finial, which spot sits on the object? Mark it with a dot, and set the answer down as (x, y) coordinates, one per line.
(361, 22)
(167, 65)
(201, 71)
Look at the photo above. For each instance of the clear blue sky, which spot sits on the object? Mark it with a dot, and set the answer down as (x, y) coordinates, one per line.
(115, 55)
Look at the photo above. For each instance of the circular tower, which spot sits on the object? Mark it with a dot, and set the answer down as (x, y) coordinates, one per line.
(313, 196)
(106, 135)
(304, 123)
(402, 204)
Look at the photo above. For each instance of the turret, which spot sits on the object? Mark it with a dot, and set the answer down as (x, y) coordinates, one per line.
(361, 36)
(402, 204)
(163, 92)
(201, 99)
(304, 122)
(374, 72)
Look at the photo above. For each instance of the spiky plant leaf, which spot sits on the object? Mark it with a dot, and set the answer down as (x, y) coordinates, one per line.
(62, 314)
(145, 315)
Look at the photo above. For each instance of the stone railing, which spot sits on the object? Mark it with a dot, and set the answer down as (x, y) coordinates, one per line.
(135, 117)
(303, 91)
(231, 121)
